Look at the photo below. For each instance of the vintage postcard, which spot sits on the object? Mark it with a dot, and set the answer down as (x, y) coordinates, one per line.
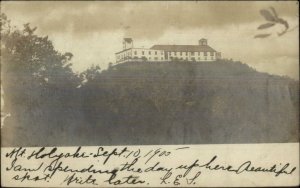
(149, 93)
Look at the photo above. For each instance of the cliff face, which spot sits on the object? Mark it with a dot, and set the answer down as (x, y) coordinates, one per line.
(194, 103)
(172, 103)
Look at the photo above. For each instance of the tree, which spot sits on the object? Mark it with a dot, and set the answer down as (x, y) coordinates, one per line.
(38, 82)
(90, 73)
(30, 62)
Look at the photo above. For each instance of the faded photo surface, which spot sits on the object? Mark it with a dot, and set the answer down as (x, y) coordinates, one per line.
(149, 73)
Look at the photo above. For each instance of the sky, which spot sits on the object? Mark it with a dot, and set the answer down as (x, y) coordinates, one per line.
(93, 31)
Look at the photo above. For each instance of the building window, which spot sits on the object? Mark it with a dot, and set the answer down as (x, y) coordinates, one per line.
(162, 53)
(135, 53)
(143, 53)
(180, 53)
(149, 52)
(205, 53)
(186, 53)
(198, 53)
(211, 53)
(155, 52)
(192, 53)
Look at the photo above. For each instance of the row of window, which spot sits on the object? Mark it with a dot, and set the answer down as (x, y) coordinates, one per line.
(192, 59)
(171, 58)
(169, 53)
(192, 53)
(149, 52)
(135, 53)
(178, 53)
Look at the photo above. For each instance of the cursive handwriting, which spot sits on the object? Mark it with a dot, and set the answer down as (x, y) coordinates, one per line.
(244, 167)
(125, 166)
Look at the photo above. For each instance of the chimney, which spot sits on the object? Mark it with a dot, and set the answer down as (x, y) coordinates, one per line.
(203, 42)
(127, 43)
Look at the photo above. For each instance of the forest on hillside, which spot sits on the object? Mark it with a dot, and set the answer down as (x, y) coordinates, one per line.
(137, 102)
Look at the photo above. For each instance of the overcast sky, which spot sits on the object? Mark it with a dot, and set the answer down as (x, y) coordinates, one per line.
(93, 31)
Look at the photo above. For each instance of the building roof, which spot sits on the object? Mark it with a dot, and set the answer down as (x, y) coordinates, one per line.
(184, 48)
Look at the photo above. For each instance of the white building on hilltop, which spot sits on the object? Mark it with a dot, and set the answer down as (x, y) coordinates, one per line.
(196, 53)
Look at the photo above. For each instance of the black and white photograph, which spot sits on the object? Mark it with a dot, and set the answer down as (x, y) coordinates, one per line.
(143, 73)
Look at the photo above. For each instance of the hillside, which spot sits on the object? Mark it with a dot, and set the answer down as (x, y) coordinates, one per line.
(179, 103)
(189, 103)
